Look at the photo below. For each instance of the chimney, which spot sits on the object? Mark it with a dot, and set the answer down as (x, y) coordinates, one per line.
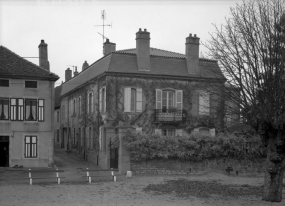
(85, 65)
(68, 74)
(192, 54)
(142, 50)
(75, 72)
(108, 47)
(43, 55)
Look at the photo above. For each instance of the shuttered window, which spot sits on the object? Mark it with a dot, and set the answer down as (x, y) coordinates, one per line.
(132, 99)
(31, 149)
(168, 99)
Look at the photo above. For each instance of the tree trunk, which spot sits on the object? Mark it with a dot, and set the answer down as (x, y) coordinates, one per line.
(274, 171)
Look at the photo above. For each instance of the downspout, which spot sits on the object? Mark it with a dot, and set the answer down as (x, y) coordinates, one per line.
(98, 118)
(85, 93)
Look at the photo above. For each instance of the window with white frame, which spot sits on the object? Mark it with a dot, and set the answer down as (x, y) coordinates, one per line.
(17, 109)
(168, 99)
(132, 99)
(4, 109)
(31, 149)
(204, 103)
(90, 103)
(31, 109)
(102, 99)
(168, 132)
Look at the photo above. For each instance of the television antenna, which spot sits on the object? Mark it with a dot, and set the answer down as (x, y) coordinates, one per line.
(103, 16)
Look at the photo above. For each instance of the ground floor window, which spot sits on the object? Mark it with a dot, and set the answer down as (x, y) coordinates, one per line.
(31, 144)
(168, 132)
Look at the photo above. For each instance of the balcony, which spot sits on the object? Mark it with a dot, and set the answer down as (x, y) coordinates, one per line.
(170, 116)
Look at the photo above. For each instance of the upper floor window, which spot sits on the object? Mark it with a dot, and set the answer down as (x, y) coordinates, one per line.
(4, 109)
(17, 109)
(31, 84)
(204, 103)
(41, 110)
(74, 106)
(169, 99)
(79, 106)
(132, 99)
(62, 111)
(90, 103)
(102, 99)
(31, 109)
(4, 83)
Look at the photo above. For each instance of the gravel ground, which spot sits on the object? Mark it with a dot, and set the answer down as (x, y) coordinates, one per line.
(131, 191)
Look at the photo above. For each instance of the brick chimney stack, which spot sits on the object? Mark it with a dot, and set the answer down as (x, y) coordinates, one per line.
(68, 74)
(143, 50)
(75, 73)
(192, 54)
(43, 55)
(108, 47)
(85, 65)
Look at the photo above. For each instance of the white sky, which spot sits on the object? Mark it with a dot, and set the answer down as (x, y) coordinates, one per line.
(68, 26)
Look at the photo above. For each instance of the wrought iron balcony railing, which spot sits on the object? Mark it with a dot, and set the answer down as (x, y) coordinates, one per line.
(170, 116)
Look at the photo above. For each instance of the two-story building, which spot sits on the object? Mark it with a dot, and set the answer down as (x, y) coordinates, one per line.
(26, 110)
(153, 90)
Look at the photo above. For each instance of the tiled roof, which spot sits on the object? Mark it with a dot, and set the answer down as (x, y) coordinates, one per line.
(57, 92)
(12, 65)
(162, 63)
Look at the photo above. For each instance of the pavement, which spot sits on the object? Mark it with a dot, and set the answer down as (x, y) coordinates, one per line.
(69, 162)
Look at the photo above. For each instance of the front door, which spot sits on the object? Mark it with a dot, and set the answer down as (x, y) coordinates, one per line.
(114, 158)
(4, 151)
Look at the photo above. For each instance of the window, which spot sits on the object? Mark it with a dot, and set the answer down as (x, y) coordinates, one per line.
(4, 83)
(4, 109)
(41, 110)
(79, 106)
(74, 106)
(70, 109)
(102, 139)
(90, 103)
(17, 109)
(57, 116)
(31, 84)
(74, 137)
(169, 99)
(31, 109)
(31, 146)
(204, 103)
(63, 111)
(57, 135)
(168, 132)
(132, 99)
(102, 98)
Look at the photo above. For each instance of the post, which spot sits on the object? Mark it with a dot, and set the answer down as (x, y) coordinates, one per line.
(89, 179)
(115, 179)
(58, 180)
(30, 176)
(124, 154)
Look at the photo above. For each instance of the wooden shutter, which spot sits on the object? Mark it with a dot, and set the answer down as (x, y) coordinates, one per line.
(179, 99)
(87, 103)
(127, 99)
(139, 100)
(178, 132)
(158, 99)
(92, 105)
(105, 99)
(157, 131)
(100, 100)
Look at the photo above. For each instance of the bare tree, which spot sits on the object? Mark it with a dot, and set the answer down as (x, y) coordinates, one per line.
(250, 48)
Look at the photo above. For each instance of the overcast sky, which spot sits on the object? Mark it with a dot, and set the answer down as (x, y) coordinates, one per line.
(68, 26)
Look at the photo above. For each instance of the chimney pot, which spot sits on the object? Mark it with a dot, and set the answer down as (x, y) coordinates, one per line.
(140, 29)
(68, 74)
(85, 65)
(108, 47)
(144, 29)
(194, 35)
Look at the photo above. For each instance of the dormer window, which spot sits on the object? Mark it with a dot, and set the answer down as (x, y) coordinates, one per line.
(31, 84)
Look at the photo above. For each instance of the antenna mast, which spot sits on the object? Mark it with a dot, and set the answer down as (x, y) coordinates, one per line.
(103, 16)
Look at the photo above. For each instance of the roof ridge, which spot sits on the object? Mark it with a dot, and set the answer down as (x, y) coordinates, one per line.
(26, 60)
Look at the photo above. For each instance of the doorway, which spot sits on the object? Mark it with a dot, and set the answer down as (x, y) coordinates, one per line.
(114, 158)
(4, 151)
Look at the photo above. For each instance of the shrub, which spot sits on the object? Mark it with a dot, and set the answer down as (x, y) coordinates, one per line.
(145, 147)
